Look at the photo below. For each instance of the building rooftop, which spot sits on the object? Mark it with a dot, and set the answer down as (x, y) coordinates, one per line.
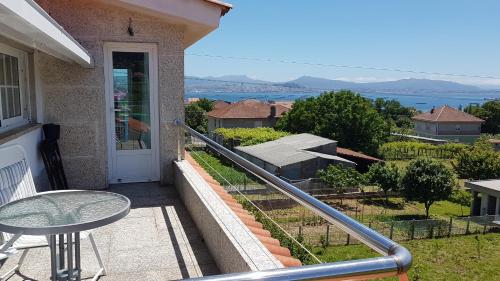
(251, 109)
(347, 152)
(290, 149)
(488, 186)
(446, 114)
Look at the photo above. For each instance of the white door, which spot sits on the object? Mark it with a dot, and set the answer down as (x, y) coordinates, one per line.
(132, 112)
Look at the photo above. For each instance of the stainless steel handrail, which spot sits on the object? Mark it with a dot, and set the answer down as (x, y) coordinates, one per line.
(396, 260)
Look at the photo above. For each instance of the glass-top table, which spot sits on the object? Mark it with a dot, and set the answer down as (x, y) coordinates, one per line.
(64, 214)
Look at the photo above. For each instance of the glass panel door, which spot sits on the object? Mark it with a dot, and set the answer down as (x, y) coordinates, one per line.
(133, 125)
(131, 99)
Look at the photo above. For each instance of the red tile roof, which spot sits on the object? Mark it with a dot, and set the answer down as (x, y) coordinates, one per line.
(446, 114)
(218, 104)
(247, 109)
(280, 253)
(344, 151)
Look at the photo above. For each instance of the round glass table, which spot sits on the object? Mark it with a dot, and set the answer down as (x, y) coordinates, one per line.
(62, 215)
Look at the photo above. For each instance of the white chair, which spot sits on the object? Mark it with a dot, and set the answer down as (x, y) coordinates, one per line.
(16, 182)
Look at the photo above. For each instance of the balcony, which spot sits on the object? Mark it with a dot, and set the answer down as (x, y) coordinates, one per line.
(204, 226)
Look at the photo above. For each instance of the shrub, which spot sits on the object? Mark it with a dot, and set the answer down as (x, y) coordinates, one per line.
(384, 176)
(248, 136)
(427, 181)
(339, 178)
(479, 162)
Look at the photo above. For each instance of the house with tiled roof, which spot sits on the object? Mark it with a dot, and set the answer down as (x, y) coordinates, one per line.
(246, 114)
(446, 122)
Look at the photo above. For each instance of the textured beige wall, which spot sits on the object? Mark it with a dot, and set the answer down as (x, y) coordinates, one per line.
(75, 98)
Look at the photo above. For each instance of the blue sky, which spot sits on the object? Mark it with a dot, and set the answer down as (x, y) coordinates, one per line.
(448, 36)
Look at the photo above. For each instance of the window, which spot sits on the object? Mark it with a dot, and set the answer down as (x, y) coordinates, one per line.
(11, 86)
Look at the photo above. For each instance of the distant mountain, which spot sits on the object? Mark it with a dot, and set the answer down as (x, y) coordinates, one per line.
(242, 83)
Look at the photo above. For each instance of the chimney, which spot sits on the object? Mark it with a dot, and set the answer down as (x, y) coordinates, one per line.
(432, 110)
(273, 111)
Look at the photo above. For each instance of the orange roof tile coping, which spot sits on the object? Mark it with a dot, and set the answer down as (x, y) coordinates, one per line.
(282, 254)
(446, 114)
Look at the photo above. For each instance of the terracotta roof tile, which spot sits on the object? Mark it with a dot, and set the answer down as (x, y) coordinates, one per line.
(282, 254)
(344, 151)
(446, 114)
(247, 109)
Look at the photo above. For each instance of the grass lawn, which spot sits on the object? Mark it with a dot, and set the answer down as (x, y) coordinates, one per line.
(455, 258)
(221, 172)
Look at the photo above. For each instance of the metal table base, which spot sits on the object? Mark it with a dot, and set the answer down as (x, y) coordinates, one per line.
(65, 261)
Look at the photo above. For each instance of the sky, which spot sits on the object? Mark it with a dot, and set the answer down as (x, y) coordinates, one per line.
(445, 36)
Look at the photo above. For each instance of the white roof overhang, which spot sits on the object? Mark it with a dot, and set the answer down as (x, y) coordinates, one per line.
(198, 17)
(27, 23)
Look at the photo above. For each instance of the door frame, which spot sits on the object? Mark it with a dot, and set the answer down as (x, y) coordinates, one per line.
(152, 50)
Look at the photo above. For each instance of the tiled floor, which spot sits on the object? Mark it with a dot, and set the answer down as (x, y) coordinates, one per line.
(156, 241)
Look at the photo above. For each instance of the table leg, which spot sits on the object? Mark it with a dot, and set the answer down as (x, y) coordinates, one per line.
(77, 257)
(61, 251)
(69, 238)
(53, 257)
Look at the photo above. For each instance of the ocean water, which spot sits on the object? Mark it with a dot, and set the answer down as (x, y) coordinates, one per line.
(419, 101)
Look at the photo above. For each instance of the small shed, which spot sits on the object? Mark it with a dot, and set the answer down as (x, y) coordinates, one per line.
(294, 157)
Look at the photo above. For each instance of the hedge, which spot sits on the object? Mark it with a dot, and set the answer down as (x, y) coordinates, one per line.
(402, 150)
(248, 136)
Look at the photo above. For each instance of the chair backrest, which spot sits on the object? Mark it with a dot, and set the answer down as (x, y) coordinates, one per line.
(16, 181)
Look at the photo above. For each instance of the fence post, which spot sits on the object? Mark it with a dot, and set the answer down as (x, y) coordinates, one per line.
(244, 182)
(348, 239)
(370, 224)
(392, 230)
(467, 226)
(327, 234)
(300, 231)
(450, 226)
(412, 229)
(484, 222)
(431, 232)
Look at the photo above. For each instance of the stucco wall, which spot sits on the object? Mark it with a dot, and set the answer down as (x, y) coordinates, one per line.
(74, 97)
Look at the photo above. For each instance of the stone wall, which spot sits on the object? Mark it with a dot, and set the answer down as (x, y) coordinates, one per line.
(74, 97)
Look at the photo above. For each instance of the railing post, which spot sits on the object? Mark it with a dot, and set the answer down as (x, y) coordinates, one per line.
(348, 239)
(450, 227)
(391, 232)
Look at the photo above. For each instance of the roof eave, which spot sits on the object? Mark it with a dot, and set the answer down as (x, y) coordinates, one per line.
(27, 23)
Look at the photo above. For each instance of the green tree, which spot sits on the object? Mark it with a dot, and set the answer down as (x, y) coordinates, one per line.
(490, 112)
(205, 104)
(196, 114)
(427, 181)
(344, 116)
(479, 162)
(339, 178)
(385, 176)
(397, 114)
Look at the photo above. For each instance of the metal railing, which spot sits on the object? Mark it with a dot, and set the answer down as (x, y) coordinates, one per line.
(396, 260)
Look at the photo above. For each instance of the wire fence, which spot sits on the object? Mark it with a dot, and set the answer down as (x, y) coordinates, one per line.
(319, 234)
(304, 229)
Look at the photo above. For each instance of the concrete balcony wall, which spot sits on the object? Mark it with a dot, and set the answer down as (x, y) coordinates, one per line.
(231, 244)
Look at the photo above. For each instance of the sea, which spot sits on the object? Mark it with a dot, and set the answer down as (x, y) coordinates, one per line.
(422, 102)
